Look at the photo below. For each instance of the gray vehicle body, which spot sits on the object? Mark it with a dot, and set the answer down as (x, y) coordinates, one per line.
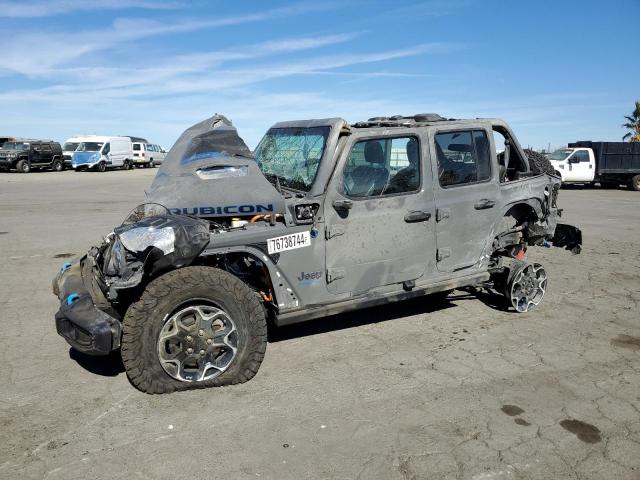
(362, 251)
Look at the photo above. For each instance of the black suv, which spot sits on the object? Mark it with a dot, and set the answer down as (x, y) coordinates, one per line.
(23, 155)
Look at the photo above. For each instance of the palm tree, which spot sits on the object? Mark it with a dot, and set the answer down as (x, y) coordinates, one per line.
(633, 124)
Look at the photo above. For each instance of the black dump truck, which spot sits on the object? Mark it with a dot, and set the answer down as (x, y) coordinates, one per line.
(610, 163)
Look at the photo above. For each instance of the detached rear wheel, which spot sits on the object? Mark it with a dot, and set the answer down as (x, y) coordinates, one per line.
(525, 286)
(194, 327)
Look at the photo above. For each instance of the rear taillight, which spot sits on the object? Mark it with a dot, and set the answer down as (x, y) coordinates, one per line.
(143, 154)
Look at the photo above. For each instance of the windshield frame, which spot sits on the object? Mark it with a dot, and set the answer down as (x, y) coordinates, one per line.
(567, 152)
(83, 149)
(65, 149)
(294, 182)
(16, 145)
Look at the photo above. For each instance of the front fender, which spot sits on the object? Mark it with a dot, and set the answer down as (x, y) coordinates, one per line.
(285, 296)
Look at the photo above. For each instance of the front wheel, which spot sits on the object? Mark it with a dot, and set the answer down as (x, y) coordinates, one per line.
(102, 167)
(23, 166)
(194, 327)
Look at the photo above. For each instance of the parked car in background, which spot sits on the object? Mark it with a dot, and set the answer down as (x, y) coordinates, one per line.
(610, 163)
(147, 154)
(25, 155)
(103, 152)
(71, 145)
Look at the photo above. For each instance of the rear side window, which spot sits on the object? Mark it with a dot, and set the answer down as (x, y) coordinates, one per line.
(463, 157)
(136, 147)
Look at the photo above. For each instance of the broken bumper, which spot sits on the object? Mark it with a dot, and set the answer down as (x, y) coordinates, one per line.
(79, 321)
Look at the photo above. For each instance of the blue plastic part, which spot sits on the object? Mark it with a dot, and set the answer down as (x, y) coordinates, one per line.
(72, 298)
(65, 266)
(546, 244)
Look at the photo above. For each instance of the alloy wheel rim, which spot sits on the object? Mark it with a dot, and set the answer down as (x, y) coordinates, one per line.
(197, 343)
(528, 287)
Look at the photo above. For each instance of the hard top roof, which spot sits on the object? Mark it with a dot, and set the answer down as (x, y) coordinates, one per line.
(396, 121)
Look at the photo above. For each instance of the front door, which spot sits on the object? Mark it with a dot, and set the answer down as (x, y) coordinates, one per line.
(36, 154)
(466, 196)
(379, 214)
(578, 168)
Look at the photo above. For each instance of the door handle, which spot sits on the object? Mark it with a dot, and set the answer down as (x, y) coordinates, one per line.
(484, 204)
(344, 204)
(417, 216)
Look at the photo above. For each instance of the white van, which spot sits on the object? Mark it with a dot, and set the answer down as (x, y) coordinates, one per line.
(102, 152)
(70, 146)
(147, 154)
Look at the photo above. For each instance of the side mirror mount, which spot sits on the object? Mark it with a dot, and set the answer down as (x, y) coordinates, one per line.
(345, 204)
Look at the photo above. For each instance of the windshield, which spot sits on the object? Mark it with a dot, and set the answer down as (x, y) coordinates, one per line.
(291, 156)
(560, 154)
(89, 147)
(16, 146)
(70, 146)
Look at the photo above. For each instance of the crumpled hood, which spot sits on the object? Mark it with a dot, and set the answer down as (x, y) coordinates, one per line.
(210, 172)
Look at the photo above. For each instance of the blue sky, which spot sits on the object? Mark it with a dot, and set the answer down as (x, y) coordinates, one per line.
(557, 71)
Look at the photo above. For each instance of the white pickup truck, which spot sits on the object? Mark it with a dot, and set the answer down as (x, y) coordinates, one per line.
(610, 163)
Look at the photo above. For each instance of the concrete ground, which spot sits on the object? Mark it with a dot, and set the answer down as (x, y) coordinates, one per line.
(415, 390)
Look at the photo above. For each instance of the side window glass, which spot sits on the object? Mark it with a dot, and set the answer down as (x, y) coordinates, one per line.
(136, 147)
(582, 156)
(463, 157)
(106, 149)
(384, 166)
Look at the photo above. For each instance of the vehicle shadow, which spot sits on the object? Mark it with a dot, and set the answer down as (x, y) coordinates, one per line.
(392, 311)
(106, 366)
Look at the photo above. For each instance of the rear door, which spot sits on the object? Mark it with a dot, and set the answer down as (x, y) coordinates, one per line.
(138, 152)
(379, 212)
(46, 154)
(466, 196)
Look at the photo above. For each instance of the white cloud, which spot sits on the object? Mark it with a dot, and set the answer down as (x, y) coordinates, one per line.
(46, 8)
(35, 53)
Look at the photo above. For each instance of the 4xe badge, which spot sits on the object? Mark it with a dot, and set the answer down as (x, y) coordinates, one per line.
(309, 278)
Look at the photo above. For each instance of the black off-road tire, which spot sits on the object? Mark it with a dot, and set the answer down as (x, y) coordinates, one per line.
(57, 166)
(634, 183)
(538, 163)
(23, 166)
(144, 320)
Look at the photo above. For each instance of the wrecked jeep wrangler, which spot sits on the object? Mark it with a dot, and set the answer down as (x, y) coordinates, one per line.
(324, 217)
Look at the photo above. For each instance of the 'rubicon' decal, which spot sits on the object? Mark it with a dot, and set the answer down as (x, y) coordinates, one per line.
(223, 211)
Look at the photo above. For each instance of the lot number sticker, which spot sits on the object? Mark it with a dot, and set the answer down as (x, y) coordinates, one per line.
(289, 242)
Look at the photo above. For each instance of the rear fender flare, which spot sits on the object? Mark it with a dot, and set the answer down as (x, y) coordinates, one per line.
(516, 213)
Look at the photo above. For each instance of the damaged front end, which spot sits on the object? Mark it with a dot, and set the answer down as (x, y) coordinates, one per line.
(95, 291)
